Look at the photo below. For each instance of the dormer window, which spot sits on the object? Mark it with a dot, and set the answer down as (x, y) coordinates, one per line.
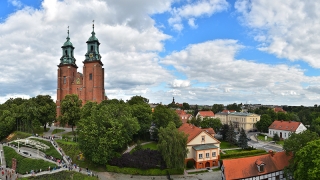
(261, 168)
(260, 165)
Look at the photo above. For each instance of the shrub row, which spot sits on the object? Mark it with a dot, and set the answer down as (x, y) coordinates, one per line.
(243, 154)
(148, 172)
(65, 175)
(25, 164)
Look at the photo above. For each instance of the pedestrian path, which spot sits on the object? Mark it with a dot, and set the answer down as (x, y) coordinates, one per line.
(133, 146)
(3, 160)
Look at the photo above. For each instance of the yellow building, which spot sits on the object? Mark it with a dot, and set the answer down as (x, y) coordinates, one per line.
(240, 120)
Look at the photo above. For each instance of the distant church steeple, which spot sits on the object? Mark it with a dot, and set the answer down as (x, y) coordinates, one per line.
(67, 53)
(173, 101)
(93, 47)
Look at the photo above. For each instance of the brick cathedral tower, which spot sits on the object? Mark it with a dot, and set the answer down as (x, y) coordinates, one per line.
(89, 86)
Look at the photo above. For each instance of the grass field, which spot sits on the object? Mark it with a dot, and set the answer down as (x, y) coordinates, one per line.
(261, 137)
(72, 149)
(152, 146)
(55, 131)
(226, 145)
(25, 164)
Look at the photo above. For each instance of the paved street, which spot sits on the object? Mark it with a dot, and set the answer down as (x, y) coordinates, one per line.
(265, 145)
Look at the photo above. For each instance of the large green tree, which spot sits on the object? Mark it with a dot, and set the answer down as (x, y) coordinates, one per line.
(173, 146)
(143, 113)
(44, 110)
(138, 100)
(307, 160)
(70, 110)
(231, 135)
(162, 116)
(264, 123)
(315, 125)
(217, 108)
(105, 131)
(224, 131)
(7, 123)
(243, 140)
(234, 106)
(214, 123)
(294, 143)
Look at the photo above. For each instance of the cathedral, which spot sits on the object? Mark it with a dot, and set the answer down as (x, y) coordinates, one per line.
(89, 85)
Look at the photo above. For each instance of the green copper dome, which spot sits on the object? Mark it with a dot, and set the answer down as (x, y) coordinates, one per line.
(93, 37)
(68, 43)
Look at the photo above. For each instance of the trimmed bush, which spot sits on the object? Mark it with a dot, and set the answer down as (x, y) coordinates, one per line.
(190, 164)
(148, 172)
(243, 154)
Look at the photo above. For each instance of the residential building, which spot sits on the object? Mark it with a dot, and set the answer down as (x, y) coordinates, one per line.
(264, 167)
(279, 109)
(88, 85)
(184, 117)
(285, 128)
(203, 114)
(246, 121)
(204, 149)
(239, 119)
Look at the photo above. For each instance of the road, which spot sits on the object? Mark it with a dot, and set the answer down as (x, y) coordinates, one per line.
(265, 145)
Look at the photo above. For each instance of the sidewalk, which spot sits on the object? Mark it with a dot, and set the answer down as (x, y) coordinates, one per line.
(133, 146)
(3, 160)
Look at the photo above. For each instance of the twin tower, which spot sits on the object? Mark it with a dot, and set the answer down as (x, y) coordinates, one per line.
(89, 86)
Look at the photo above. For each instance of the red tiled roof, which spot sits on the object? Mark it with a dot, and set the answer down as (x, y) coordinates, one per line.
(278, 109)
(181, 112)
(248, 167)
(226, 111)
(191, 130)
(285, 125)
(209, 130)
(206, 113)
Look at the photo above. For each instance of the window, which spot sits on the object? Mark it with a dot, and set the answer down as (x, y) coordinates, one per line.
(285, 134)
(66, 52)
(91, 48)
(64, 79)
(202, 138)
(90, 76)
(200, 156)
(207, 155)
(213, 154)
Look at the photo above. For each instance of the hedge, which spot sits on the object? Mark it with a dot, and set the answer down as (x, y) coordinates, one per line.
(148, 172)
(243, 154)
(65, 175)
(25, 164)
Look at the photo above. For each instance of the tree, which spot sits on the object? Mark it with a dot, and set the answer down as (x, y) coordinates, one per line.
(162, 116)
(231, 135)
(196, 110)
(315, 125)
(307, 160)
(294, 143)
(217, 108)
(143, 113)
(243, 140)
(276, 137)
(7, 123)
(185, 106)
(44, 110)
(234, 106)
(70, 110)
(224, 131)
(214, 123)
(264, 123)
(196, 121)
(106, 131)
(138, 100)
(173, 146)
(282, 116)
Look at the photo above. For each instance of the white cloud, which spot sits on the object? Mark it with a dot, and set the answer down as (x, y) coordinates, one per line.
(130, 44)
(177, 83)
(232, 80)
(193, 10)
(16, 3)
(288, 29)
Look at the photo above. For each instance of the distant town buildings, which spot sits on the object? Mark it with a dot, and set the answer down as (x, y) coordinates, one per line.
(203, 114)
(285, 128)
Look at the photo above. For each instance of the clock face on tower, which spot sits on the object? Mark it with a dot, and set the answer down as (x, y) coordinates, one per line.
(91, 55)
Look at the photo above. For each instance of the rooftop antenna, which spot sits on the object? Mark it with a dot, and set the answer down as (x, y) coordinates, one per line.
(93, 25)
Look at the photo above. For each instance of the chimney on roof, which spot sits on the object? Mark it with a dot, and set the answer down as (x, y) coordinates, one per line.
(289, 121)
(271, 153)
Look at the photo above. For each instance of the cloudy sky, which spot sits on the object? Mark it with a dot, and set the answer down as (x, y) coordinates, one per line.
(198, 51)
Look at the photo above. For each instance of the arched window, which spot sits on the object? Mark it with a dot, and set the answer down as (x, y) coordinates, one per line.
(90, 76)
(66, 52)
(91, 48)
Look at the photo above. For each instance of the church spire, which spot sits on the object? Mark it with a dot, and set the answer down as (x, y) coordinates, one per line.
(92, 47)
(67, 53)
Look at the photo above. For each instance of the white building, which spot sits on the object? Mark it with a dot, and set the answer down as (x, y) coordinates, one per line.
(285, 128)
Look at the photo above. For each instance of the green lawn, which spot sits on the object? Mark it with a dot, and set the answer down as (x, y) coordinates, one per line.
(152, 146)
(51, 151)
(72, 149)
(25, 164)
(17, 135)
(55, 131)
(261, 137)
(233, 151)
(40, 130)
(226, 145)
